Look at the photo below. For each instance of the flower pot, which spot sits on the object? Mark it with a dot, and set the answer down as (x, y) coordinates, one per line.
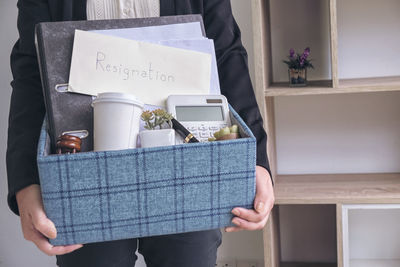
(154, 138)
(297, 77)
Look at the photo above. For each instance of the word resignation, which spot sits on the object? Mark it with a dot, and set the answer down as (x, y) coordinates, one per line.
(127, 73)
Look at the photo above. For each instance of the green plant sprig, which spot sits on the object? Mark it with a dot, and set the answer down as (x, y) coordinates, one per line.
(156, 118)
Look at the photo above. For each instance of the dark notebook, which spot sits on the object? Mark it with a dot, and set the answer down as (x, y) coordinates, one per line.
(69, 111)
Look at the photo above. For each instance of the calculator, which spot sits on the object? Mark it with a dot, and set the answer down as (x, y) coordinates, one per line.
(202, 115)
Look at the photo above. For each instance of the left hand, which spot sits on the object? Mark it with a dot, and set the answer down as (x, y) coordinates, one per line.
(264, 201)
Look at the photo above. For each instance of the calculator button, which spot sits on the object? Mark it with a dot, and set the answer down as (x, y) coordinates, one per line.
(192, 128)
(214, 128)
(203, 128)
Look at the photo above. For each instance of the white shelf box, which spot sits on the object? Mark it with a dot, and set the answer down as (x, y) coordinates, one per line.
(371, 235)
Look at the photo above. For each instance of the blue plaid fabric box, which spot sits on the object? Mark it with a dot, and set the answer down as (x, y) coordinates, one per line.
(111, 195)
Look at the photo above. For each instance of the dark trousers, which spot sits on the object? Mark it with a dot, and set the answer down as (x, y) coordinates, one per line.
(196, 249)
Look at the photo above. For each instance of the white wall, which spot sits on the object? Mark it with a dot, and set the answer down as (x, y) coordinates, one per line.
(369, 34)
(14, 251)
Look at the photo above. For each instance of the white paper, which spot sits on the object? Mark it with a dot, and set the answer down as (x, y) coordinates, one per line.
(151, 72)
(183, 35)
(185, 31)
(200, 45)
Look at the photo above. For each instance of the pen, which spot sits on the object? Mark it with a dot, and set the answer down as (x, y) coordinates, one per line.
(188, 137)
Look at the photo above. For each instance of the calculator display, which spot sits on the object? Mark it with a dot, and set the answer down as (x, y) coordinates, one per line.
(199, 113)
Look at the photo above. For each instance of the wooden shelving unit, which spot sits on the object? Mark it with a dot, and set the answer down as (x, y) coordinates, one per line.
(335, 189)
(267, 87)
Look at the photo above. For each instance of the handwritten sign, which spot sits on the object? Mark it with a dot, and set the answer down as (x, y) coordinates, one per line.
(149, 71)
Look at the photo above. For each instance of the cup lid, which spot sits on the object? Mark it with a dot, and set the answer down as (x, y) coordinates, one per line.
(118, 97)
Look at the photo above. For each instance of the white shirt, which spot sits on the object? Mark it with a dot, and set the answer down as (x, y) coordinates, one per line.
(121, 9)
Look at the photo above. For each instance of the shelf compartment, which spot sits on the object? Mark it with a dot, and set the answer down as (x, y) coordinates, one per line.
(310, 25)
(337, 188)
(370, 235)
(308, 235)
(367, 42)
(307, 25)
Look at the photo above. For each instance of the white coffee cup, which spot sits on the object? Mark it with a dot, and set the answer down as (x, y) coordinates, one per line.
(116, 121)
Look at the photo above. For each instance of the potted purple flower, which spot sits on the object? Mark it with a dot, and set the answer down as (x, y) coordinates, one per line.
(298, 65)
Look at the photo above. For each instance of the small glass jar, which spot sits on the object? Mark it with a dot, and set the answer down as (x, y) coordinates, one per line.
(297, 77)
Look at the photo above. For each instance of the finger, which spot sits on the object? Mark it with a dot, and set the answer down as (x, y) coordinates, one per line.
(43, 224)
(43, 244)
(61, 250)
(249, 215)
(232, 229)
(264, 199)
(243, 224)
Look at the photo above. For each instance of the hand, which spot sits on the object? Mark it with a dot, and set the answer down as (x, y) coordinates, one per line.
(35, 224)
(264, 201)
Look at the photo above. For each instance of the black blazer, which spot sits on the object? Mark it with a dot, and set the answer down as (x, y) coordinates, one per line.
(27, 107)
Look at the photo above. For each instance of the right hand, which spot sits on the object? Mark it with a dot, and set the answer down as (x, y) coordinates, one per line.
(36, 227)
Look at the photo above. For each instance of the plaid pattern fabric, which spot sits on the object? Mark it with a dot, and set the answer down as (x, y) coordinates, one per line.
(111, 195)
